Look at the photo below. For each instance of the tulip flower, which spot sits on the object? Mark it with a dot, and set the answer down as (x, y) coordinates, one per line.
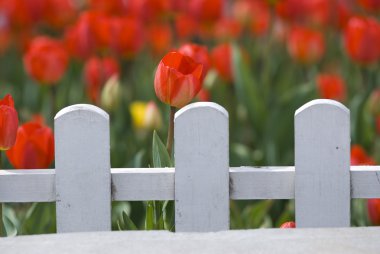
(362, 39)
(96, 73)
(8, 123)
(221, 60)
(255, 14)
(206, 10)
(373, 206)
(46, 60)
(369, 5)
(178, 79)
(331, 87)
(111, 94)
(199, 54)
(360, 157)
(305, 45)
(374, 102)
(160, 38)
(145, 116)
(185, 26)
(288, 224)
(34, 147)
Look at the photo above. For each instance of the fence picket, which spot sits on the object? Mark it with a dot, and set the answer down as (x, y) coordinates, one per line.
(83, 178)
(202, 168)
(322, 164)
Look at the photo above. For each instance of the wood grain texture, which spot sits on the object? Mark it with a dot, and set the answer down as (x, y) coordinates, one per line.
(83, 178)
(322, 164)
(134, 184)
(201, 170)
(365, 182)
(262, 183)
(37, 185)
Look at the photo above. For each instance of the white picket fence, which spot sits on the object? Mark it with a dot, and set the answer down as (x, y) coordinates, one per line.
(202, 183)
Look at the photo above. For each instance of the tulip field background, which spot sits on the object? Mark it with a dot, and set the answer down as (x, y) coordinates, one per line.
(261, 60)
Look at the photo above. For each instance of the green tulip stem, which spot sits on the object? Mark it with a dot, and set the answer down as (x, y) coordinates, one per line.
(169, 142)
(53, 100)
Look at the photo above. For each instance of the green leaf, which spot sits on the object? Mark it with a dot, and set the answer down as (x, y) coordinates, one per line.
(161, 158)
(149, 219)
(128, 223)
(248, 90)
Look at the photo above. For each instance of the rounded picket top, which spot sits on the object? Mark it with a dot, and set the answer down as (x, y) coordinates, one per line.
(201, 168)
(201, 106)
(321, 103)
(81, 109)
(322, 164)
(82, 162)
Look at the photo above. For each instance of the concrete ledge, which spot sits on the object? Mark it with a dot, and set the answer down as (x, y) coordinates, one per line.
(338, 240)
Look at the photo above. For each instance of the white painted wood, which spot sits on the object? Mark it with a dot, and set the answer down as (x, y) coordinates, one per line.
(322, 163)
(137, 184)
(365, 181)
(83, 179)
(201, 168)
(133, 184)
(37, 185)
(262, 183)
(263, 241)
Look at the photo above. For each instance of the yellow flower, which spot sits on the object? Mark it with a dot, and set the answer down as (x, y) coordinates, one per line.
(145, 116)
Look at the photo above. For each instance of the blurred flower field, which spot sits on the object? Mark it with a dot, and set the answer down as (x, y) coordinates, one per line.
(141, 60)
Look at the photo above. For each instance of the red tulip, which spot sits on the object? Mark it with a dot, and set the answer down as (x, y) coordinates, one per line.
(373, 206)
(160, 38)
(124, 35)
(305, 45)
(34, 147)
(227, 29)
(288, 224)
(221, 60)
(206, 10)
(199, 54)
(314, 12)
(59, 13)
(360, 157)
(46, 60)
(331, 87)
(96, 73)
(203, 95)
(178, 79)
(89, 33)
(370, 5)
(253, 13)
(185, 26)
(362, 39)
(8, 123)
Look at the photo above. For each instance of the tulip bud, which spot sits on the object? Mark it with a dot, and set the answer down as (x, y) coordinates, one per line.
(178, 79)
(331, 87)
(288, 224)
(145, 116)
(46, 60)
(8, 123)
(305, 45)
(111, 94)
(34, 147)
(374, 102)
(360, 157)
(373, 206)
(362, 39)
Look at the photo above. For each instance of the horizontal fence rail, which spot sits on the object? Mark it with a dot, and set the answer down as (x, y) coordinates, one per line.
(143, 184)
(83, 184)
